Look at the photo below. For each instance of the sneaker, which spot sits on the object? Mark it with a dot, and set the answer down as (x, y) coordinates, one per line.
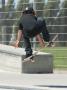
(32, 60)
(31, 57)
(28, 55)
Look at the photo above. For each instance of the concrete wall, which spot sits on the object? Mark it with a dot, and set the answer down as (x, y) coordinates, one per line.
(11, 59)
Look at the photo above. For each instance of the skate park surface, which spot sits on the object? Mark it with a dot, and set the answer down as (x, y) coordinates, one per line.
(10, 80)
(55, 81)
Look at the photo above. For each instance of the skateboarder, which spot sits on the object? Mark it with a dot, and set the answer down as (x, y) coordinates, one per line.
(30, 26)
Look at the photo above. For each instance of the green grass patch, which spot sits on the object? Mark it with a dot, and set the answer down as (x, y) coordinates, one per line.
(59, 56)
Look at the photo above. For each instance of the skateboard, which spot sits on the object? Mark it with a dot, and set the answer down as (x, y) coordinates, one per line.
(30, 58)
(35, 53)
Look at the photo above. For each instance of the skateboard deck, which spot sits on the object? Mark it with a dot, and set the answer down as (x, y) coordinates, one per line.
(29, 58)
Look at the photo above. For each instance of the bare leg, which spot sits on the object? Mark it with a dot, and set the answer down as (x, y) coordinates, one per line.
(40, 39)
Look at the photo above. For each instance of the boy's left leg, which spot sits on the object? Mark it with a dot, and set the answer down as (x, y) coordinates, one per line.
(27, 47)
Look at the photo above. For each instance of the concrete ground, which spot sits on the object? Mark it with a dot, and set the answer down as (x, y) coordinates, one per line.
(54, 81)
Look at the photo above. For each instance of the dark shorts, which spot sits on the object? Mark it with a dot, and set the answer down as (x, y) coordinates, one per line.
(40, 28)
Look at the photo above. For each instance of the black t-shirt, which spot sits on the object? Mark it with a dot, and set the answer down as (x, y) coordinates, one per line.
(20, 26)
(28, 24)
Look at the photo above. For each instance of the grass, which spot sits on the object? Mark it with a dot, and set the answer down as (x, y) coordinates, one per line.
(59, 56)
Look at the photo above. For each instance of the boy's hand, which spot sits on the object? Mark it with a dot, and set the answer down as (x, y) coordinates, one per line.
(42, 44)
(16, 44)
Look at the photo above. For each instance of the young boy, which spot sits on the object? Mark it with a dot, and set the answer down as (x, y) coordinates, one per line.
(30, 26)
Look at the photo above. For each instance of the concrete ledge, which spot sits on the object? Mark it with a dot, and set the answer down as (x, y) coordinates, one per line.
(43, 64)
(11, 59)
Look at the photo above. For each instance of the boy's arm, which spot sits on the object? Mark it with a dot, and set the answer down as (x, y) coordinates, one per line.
(41, 41)
(19, 35)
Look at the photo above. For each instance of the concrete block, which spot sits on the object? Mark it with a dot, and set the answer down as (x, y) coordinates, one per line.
(11, 59)
(43, 64)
